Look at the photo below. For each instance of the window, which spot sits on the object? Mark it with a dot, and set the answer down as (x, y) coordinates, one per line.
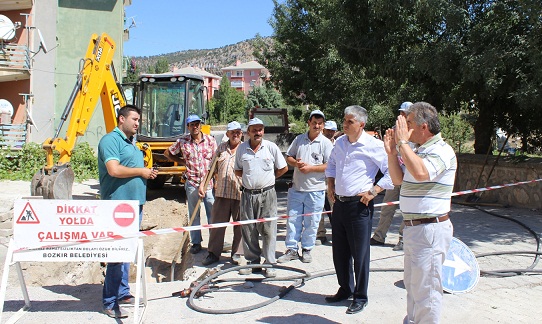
(238, 73)
(252, 73)
(228, 74)
(236, 84)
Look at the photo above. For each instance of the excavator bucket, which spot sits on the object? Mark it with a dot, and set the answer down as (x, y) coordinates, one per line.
(57, 185)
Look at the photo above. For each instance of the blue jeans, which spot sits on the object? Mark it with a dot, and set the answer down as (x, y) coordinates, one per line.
(303, 228)
(192, 198)
(115, 284)
(116, 280)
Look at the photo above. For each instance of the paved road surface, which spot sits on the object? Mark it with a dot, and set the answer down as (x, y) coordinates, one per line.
(494, 300)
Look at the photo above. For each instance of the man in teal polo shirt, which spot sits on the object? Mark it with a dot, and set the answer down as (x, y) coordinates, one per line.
(123, 176)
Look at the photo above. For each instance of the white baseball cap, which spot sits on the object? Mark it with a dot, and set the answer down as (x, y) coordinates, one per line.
(317, 113)
(233, 126)
(255, 121)
(330, 124)
(405, 105)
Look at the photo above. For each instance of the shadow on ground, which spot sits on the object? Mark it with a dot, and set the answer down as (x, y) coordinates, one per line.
(88, 299)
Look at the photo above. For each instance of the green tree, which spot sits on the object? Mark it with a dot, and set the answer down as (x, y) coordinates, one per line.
(308, 68)
(132, 72)
(161, 66)
(456, 131)
(480, 55)
(265, 97)
(229, 104)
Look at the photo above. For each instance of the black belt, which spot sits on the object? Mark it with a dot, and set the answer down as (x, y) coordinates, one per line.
(347, 198)
(414, 222)
(257, 191)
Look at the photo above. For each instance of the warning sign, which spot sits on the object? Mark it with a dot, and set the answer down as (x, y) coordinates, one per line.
(64, 224)
(28, 215)
(124, 215)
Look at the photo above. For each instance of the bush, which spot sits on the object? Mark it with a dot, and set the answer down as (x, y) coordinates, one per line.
(457, 132)
(84, 162)
(23, 164)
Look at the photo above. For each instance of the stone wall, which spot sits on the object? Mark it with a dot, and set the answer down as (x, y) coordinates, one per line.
(507, 170)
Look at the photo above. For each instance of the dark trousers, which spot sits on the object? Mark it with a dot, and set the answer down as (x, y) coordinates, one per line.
(351, 231)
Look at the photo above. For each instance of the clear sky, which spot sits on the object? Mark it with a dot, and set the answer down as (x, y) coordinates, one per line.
(165, 26)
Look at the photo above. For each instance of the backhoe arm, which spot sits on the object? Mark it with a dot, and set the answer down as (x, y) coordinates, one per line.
(96, 79)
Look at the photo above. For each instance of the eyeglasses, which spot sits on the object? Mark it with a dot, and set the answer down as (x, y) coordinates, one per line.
(194, 124)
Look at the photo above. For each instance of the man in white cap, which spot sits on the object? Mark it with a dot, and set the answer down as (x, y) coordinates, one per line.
(387, 212)
(195, 150)
(259, 162)
(330, 129)
(308, 154)
(227, 197)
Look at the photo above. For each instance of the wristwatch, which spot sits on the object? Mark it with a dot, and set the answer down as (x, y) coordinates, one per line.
(373, 191)
(401, 142)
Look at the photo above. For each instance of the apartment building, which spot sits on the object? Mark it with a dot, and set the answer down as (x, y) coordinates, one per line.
(40, 64)
(245, 76)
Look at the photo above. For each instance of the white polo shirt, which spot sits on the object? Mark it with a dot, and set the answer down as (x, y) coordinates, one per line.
(259, 167)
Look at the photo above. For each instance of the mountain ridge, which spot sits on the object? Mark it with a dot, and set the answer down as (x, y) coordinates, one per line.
(211, 60)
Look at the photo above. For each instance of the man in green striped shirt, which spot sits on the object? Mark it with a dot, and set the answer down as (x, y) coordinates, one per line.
(426, 176)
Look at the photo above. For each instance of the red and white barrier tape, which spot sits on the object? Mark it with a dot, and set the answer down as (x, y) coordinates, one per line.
(251, 221)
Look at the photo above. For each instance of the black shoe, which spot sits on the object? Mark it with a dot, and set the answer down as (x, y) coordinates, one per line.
(195, 249)
(339, 296)
(320, 240)
(375, 242)
(210, 259)
(247, 271)
(356, 307)
(289, 255)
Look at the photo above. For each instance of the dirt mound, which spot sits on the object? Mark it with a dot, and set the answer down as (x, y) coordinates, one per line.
(161, 249)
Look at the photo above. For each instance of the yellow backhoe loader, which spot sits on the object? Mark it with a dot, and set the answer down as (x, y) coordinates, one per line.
(165, 100)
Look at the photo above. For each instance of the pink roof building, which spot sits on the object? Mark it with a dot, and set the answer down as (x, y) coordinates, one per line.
(245, 76)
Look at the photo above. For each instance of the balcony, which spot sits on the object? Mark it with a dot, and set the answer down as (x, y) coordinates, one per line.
(14, 62)
(236, 84)
(7, 5)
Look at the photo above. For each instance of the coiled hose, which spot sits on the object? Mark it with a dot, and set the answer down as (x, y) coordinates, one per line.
(298, 280)
(513, 272)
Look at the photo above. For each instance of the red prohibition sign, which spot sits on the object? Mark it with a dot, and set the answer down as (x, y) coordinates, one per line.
(124, 215)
